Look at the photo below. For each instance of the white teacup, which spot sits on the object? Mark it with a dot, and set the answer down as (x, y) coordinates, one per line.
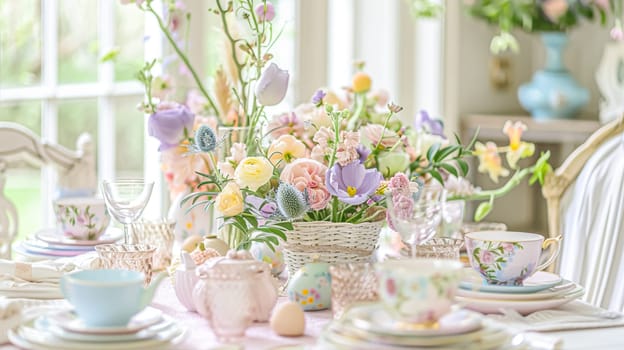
(418, 290)
(82, 218)
(508, 258)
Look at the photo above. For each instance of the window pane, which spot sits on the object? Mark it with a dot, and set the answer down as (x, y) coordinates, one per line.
(78, 49)
(25, 113)
(20, 43)
(74, 118)
(129, 29)
(129, 134)
(23, 188)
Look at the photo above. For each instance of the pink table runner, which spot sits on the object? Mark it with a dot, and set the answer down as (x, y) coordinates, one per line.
(258, 336)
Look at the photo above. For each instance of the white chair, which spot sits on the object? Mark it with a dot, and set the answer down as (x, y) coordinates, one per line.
(20, 147)
(585, 199)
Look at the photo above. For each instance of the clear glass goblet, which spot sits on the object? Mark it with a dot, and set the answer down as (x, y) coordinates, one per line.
(415, 219)
(126, 199)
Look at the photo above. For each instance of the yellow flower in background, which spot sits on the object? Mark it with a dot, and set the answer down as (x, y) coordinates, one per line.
(361, 82)
(230, 201)
(253, 172)
(490, 161)
(286, 149)
(517, 148)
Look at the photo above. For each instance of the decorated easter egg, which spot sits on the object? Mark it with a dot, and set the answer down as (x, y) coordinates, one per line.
(310, 287)
(262, 252)
(213, 242)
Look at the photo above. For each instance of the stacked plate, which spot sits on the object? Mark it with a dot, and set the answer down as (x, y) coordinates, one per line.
(369, 326)
(64, 330)
(50, 244)
(541, 291)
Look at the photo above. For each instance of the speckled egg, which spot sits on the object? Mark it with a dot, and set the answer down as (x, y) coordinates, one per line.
(262, 252)
(310, 287)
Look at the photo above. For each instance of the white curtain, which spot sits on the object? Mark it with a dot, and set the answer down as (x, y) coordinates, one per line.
(593, 227)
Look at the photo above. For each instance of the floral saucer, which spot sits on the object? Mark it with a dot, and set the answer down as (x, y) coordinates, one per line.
(539, 281)
(375, 318)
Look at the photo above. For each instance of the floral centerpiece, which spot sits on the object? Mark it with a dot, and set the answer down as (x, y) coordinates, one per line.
(316, 175)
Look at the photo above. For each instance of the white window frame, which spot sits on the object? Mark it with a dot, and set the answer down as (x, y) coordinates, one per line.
(50, 93)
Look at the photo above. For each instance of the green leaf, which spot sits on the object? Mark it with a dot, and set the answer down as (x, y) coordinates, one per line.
(463, 166)
(436, 175)
(432, 151)
(111, 55)
(445, 152)
(450, 168)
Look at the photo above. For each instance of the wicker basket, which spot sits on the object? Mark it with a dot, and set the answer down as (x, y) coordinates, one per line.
(330, 242)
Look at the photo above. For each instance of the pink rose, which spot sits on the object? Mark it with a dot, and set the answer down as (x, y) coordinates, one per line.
(507, 247)
(375, 132)
(308, 174)
(486, 257)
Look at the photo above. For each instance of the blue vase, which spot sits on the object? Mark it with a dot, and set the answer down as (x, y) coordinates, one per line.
(553, 93)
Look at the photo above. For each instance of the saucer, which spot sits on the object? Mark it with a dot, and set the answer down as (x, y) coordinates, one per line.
(523, 307)
(564, 287)
(539, 281)
(52, 252)
(36, 243)
(111, 235)
(375, 318)
(69, 321)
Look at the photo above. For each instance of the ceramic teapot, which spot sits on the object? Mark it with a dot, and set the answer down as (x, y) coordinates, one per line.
(242, 274)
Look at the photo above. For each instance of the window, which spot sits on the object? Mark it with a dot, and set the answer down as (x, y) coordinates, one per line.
(53, 81)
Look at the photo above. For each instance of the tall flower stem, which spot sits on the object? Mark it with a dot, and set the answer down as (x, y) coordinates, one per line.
(182, 56)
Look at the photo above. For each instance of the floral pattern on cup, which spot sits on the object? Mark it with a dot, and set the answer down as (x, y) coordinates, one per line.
(82, 218)
(492, 257)
(421, 293)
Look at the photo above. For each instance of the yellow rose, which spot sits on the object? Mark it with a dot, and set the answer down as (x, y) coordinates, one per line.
(230, 201)
(286, 149)
(253, 172)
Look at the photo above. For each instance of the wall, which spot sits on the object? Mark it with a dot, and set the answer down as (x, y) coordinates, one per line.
(467, 90)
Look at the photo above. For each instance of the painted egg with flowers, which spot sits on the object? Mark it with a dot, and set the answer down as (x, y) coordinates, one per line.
(310, 287)
(262, 252)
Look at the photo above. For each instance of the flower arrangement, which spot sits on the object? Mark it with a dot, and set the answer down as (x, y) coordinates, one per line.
(330, 159)
(542, 16)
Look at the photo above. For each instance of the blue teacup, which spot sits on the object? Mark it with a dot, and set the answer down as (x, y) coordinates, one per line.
(108, 298)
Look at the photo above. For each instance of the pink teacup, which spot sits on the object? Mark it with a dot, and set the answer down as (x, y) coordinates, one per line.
(508, 258)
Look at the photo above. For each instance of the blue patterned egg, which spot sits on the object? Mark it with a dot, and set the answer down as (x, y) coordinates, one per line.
(310, 287)
(262, 252)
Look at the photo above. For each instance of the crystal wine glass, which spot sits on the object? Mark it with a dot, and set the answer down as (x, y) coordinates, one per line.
(415, 218)
(126, 199)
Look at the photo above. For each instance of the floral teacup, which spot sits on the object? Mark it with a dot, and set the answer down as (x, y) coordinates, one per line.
(418, 291)
(508, 258)
(82, 218)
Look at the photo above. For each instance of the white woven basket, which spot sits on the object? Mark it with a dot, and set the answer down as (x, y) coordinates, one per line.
(330, 242)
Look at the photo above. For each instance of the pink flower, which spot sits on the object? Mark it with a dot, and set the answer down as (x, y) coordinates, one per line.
(507, 247)
(346, 155)
(308, 174)
(350, 138)
(318, 154)
(286, 124)
(399, 182)
(380, 96)
(375, 132)
(238, 152)
(323, 136)
(196, 102)
(265, 12)
(617, 33)
(486, 257)
(390, 286)
(554, 9)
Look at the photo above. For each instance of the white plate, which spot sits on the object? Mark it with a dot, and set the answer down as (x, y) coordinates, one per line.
(29, 247)
(111, 235)
(539, 281)
(375, 318)
(28, 337)
(523, 307)
(43, 324)
(558, 290)
(70, 322)
(34, 242)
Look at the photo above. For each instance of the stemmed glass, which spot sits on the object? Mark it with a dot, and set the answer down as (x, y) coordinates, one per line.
(126, 199)
(415, 214)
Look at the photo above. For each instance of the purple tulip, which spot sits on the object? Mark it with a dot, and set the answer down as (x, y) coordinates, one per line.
(272, 86)
(433, 126)
(170, 124)
(265, 12)
(352, 183)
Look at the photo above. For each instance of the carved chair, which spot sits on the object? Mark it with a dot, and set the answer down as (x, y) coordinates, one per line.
(20, 147)
(585, 200)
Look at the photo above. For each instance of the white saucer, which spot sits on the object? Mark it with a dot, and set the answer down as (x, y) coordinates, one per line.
(539, 281)
(375, 318)
(111, 235)
(34, 242)
(524, 307)
(564, 287)
(69, 321)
